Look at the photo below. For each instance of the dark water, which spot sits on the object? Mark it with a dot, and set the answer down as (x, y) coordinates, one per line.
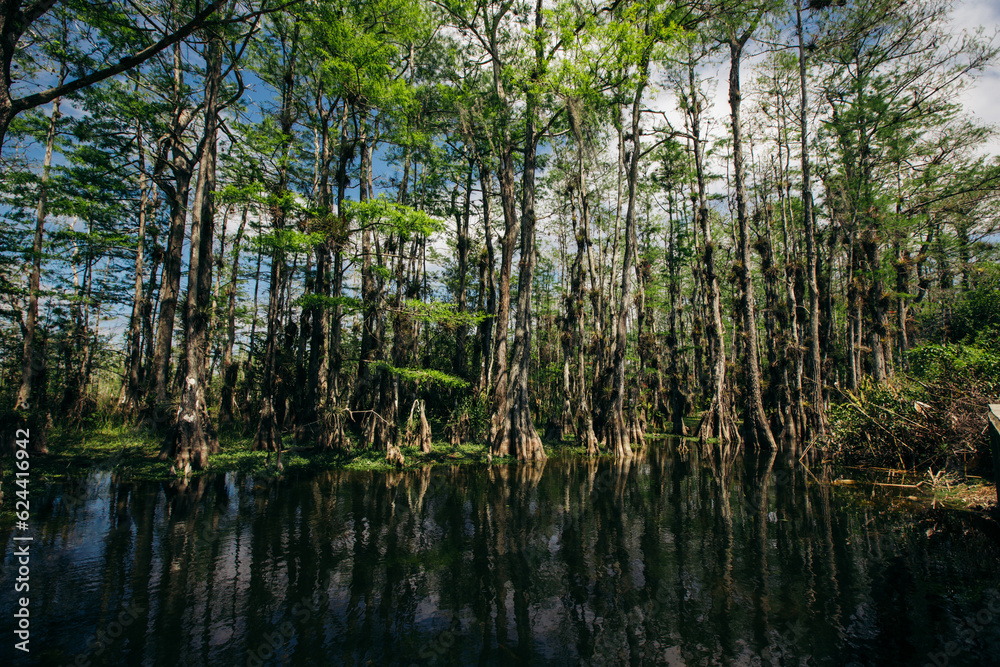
(660, 561)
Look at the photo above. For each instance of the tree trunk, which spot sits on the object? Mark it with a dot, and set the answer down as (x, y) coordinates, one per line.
(268, 437)
(78, 347)
(585, 436)
(774, 333)
(717, 421)
(903, 261)
(230, 368)
(462, 249)
(583, 419)
(314, 424)
(146, 312)
(518, 436)
(30, 360)
(132, 395)
(791, 381)
(32, 385)
(332, 435)
(193, 437)
(756, 430)
(364, 393)
(678, 400)
(877, 303)
(617, 430)
(176, 190)
(499, 424)
(487, 288)
(815, 413)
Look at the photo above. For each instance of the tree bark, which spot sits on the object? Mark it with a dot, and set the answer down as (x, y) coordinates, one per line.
(717, 421)
(518, 436)
(617, 429)
(176, 189)
(193, 436)
(230, 368)
(584, 418)
(815, 414)
(268, 437)
(499, 424)
(462, 248)
(487, 282)
(314, 423)
(756, 430)
(30, 360)
(133, 391)
(678, 400)
(364, 393)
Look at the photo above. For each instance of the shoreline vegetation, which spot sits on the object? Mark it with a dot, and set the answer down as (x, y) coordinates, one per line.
(505, 319)
(131, 454)
(525, 229)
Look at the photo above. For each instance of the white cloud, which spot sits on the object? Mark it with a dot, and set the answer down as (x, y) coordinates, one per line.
(982, 98)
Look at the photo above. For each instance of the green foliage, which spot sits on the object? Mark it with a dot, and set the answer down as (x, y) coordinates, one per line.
(252, 192)
(356, 48)
(476, 408)
(874, 425)
(443, 313)
(287, 240)
(396, 217)
(426, 376)
(934, 416)
(979, 308)
(979, 365)
(349, 304)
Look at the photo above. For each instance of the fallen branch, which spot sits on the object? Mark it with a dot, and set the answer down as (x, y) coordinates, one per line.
(851, 482)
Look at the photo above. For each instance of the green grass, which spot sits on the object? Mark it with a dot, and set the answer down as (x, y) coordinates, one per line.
(122, 449)
(132, 454)
(965, 493)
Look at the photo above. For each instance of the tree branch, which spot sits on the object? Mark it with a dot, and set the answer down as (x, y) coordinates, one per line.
(32, 101)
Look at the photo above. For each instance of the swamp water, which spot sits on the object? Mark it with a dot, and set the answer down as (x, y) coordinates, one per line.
(658, 561)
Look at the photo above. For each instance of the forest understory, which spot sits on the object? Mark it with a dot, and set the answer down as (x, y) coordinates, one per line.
(391, 233)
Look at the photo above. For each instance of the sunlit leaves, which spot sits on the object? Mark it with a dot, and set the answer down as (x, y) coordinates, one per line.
(425, 376)
(357, 50)
(397, 217)
(442, 313)
(287, 240)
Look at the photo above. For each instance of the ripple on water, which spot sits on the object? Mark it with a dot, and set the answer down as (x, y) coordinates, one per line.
(553, 567)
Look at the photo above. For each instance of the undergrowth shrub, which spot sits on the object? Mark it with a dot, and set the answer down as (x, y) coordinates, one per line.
(978, 310)
(470, 421)
(933, 416)
(978, 364)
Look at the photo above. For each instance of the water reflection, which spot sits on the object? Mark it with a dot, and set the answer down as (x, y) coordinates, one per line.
(663, 560)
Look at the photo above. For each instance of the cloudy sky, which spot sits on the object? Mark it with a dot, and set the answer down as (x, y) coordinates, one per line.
(983, 99)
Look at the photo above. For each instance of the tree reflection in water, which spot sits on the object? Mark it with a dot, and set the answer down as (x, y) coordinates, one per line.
(661, 559)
